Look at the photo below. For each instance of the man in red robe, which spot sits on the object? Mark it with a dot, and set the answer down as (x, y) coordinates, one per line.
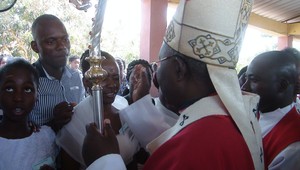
(279, 119)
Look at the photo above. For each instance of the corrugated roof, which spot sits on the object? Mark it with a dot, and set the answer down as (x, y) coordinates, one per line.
(285, 11)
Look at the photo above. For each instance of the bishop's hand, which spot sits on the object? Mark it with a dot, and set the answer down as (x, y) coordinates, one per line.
(96, 145)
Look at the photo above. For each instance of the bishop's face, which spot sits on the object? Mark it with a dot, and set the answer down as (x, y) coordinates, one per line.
(167, 84)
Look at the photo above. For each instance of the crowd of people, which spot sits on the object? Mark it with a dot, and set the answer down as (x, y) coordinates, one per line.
(206, 116)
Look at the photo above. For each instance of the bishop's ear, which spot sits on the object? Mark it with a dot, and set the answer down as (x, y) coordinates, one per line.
(34, 46)
(181, 68)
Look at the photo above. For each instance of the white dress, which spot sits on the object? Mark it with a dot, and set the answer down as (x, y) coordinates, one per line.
(30, 152)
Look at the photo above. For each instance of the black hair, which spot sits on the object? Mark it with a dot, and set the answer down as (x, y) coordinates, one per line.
(284, 59)
(196, 68)
(40, 19)
(143, 63)
(291, 56)
(19, 63)
(293, 52)
(73, 57)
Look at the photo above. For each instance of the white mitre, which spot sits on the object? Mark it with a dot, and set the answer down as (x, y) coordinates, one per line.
(212, 31)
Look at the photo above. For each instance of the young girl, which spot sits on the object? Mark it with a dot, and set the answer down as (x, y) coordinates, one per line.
(20, 148)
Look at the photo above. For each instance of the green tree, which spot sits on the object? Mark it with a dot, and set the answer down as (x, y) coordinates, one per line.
(16, 35)
(16, 24)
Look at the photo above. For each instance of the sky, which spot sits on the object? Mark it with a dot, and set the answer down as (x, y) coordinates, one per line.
(127, 11)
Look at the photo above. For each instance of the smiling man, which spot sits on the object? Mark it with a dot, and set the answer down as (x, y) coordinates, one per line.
(60, 87)
(279, 119)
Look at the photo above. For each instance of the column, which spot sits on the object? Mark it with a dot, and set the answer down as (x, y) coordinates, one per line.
(154, 23)
(285, 41)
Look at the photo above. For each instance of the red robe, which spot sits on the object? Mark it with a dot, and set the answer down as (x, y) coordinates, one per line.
(210, 143)
(284, 133)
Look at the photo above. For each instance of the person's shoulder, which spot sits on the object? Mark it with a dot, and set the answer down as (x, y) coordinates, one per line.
(69, 70)
(36, 62)
(38, 66)
(46, 131)
(72, 73)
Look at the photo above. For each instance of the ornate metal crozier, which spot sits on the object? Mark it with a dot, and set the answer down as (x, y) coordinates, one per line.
(96, 74)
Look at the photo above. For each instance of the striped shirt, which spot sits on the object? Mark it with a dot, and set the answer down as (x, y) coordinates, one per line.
(52, 92)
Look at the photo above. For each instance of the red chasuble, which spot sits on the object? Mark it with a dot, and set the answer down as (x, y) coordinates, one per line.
(284, 133)
(210, 143)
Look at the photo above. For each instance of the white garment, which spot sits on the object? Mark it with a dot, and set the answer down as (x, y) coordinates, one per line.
(120, 102)
(290, 156)
(169, 116)
(297, 104)
(72, 135)
(30, 152)
(146, 120)
(156, 119)
(111, 162)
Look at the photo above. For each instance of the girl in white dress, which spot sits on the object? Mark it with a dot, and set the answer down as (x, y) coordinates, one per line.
(20, 147)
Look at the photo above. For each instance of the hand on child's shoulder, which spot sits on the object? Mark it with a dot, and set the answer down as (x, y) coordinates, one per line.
(34, 127)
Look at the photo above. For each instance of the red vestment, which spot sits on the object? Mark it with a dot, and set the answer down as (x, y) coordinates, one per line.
(284, 133)
(213, 142)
